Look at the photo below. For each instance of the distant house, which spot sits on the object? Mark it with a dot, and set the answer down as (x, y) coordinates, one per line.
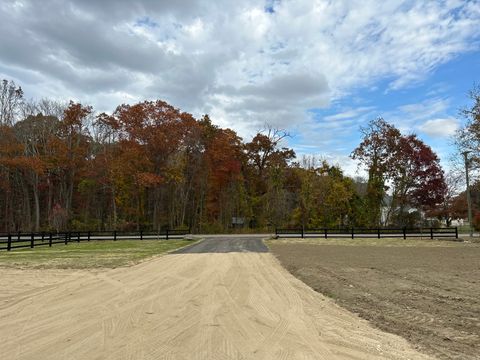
(459, 222)
(385, 209)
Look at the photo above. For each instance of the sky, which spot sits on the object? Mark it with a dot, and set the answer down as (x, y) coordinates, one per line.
(319, 69)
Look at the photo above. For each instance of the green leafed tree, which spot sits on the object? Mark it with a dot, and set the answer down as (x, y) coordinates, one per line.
(376, 152)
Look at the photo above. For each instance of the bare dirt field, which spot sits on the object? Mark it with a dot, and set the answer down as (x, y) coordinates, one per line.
(427, 292)
(182, 306)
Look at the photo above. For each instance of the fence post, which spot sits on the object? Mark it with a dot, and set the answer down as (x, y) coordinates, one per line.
(78, 236)
(404, 233)
(456, 232)
(141, 234)
(66, 238)
(276, 232)
(353, 233)
(378, 230)
(88, 236)
(115, 235)
(326, 233)
(32, 240)
(303, 232)
(43, 236)
(50, 240)
(431, 233)
(9, 243)
(167, 234)
(18, 238)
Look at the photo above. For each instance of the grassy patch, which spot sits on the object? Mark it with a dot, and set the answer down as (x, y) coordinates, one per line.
(367, 242)
(94, 254)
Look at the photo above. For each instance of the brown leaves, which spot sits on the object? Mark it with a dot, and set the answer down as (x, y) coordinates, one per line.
(75, 114)
(406, 163)
(148, 180)
(379, 146)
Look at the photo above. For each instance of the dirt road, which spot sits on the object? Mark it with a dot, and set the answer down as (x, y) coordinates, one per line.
(236, 305)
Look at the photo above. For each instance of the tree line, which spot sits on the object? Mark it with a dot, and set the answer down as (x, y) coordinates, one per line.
(150, 166)
(467, 140)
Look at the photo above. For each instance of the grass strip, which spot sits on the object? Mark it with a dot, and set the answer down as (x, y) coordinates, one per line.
(86, 255)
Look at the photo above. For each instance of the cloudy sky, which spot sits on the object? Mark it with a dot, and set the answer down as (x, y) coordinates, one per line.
(319, 69)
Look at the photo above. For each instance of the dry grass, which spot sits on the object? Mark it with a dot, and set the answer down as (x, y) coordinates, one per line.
(366, 242)
(94, 254)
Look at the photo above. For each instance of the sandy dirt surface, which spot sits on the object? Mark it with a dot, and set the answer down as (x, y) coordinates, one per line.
(428, 294)
(182, 306)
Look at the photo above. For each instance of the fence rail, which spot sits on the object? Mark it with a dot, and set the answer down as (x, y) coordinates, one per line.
(369, 232)
(11, 241)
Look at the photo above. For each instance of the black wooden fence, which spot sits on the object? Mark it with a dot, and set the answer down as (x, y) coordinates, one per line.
(10, 241)
(379, 233)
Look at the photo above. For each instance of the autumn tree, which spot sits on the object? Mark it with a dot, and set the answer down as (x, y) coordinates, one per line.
(10, 151)
(404, 165)
(147, 135)
(266, 163)
(376, 153)
(150, 166)
(307, 189)
(35, 134)
(223, 158)
(417, 179)
(325, 196)
(72, 151)
(453, 204)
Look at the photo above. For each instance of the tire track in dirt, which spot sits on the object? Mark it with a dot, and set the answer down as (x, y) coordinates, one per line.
(188, 306)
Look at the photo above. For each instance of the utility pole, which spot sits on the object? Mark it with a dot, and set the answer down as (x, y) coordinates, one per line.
(469, 200)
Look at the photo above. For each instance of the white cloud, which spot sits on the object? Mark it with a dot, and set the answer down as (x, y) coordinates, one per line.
(410, 117)
(349, 166)
(339, 133)
(440, 127)
(244, 62)
(349, 114)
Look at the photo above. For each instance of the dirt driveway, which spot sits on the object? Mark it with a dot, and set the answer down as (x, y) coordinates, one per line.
(236, 305)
